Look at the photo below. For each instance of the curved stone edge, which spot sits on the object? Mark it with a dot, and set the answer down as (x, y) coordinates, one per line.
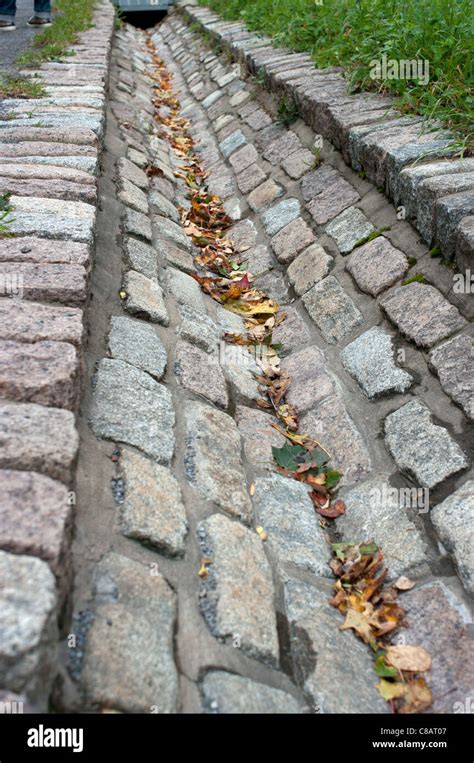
(372, 136)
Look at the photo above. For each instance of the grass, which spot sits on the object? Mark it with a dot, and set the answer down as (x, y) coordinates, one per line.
(356, 33)
(19, 87)
(5, 215)
(288, 111)
(51, 44)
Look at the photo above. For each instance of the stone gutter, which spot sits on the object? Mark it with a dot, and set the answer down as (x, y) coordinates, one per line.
(410, 160)
(50, 151)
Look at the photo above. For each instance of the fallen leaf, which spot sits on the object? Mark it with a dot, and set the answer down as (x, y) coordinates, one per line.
(358, 622)
(252, 489)
(417, 697)
(391, 689)
(404, 584)
(413, 658)
(261, 532)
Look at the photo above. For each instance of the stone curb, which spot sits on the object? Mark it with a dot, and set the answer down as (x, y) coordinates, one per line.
(50, 150)
(409, 160)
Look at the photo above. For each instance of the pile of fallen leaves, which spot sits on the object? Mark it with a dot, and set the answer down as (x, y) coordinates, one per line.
(229, 282)
(372, 610)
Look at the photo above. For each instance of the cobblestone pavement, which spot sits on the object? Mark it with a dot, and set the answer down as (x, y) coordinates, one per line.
(171, 438)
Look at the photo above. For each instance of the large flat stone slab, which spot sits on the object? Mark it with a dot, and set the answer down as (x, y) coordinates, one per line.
(131, 407)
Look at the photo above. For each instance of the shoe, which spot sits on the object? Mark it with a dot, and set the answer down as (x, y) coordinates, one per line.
(7, 26)
(37, 21)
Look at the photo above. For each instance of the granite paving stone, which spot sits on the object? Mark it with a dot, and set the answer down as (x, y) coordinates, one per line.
(422, 449)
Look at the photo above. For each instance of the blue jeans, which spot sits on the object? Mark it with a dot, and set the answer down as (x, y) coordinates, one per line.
(8, 9)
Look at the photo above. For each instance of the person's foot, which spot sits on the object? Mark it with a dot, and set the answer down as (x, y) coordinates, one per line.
(39, 21)
(7, 26)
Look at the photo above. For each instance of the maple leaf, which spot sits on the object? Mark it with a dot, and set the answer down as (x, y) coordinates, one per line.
(358, 622)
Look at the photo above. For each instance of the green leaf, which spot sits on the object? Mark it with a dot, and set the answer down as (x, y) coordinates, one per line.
(332, 478)
(368, 548)
(383, 670)
(287, 456)
(316, 456)
(340, 549)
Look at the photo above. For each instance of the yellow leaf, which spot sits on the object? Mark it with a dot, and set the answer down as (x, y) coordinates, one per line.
(418, 697)
(252, 489)
(391, 689)
(358, 622)
(261, 532)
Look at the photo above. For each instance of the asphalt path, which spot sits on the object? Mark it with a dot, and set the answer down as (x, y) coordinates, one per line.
(13, 43)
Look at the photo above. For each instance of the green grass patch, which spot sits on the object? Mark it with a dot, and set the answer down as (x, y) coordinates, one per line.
(51, 44)
(356, 33)
(371, 236)
(418, 278)
(288, 111)
(19, 87)
(5, 215)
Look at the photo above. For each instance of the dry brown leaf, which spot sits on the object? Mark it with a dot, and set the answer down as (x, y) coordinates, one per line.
(404, 584)
(413, 658)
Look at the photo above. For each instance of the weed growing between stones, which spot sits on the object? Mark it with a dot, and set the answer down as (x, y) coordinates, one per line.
(288, 111)
(5, 215)
(370, 609)
(20, 87)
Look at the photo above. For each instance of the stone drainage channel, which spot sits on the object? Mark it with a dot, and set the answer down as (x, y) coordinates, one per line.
(172, 438)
